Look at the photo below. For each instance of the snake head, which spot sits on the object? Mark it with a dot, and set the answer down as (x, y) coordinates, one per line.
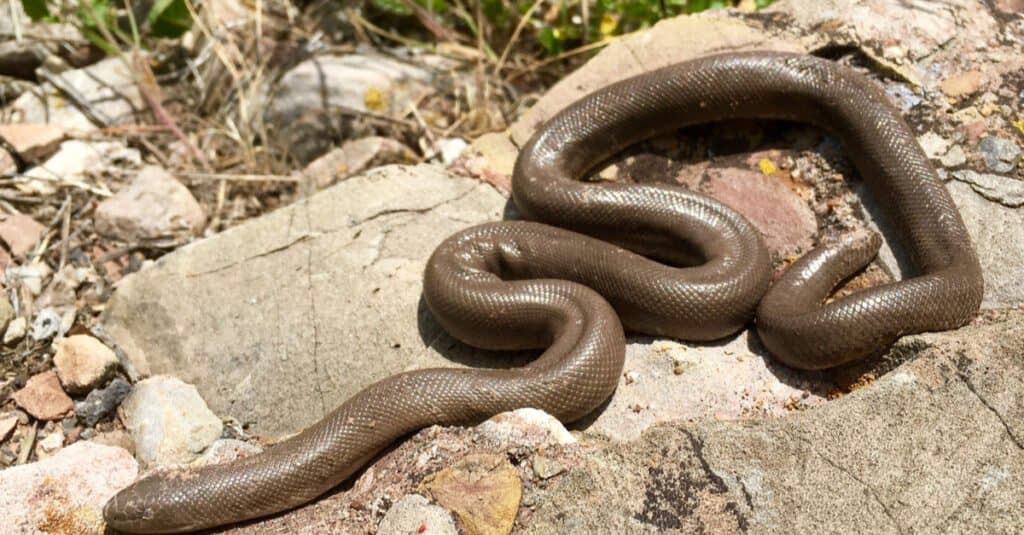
(148, 506)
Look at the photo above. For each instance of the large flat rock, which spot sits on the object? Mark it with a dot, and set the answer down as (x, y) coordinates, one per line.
(280, 320)
(936, 446)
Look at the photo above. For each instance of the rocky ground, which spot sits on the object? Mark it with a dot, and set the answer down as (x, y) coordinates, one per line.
(130, 344)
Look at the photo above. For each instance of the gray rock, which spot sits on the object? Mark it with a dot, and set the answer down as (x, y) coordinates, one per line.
(154, 206)
(46, 325)
(933, 446)
(168, 421)
(413, 514)
(1001, 189)
(917, 31)
(933, 144)
(64, 493)
(546, 468)
(279, 320)
(1001, 154)
(76, 163)
(732, 379)
(108, 86)
(101, 403)
(954, 157)
(993, 228)
(83, 363)
(314, 93)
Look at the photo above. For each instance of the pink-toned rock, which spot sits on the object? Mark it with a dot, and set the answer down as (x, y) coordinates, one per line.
(64, 493)
(20, 232)
(83, 363)
(784, 219)
(973, 131)
(43, 397)
(154, 206)
(1010, 6)
(33, 142)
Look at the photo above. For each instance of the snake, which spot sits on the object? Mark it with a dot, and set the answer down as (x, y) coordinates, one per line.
(592, 260)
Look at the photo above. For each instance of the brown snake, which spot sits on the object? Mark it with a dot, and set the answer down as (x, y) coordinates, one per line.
(507, 285)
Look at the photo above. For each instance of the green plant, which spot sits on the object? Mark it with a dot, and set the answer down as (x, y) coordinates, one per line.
(556, 25)
(109, 25)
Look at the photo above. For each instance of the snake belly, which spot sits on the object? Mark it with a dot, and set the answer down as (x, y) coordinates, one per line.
(569, 282)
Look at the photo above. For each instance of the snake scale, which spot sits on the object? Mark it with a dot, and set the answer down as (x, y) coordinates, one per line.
(598, 258)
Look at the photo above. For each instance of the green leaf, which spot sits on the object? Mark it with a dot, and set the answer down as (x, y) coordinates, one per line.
(36, 9)
(549, 41)
(695, 6)
(169, 18)
(395, 7)
(434, 6)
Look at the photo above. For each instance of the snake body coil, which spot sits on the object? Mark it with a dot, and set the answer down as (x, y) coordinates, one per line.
(513, 285)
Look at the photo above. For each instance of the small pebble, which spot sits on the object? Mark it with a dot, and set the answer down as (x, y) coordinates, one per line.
(1000, 154)
(43, 397)
(83, 363)
(415, 514)
(52, 442)
(954, 157)
(451, 149)
(169, 421)
(101, 403)
(46, 325)
(20, 232)
(15, 330)
(546, 468)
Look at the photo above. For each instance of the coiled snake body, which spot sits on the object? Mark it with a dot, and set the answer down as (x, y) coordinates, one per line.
(514, 285)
